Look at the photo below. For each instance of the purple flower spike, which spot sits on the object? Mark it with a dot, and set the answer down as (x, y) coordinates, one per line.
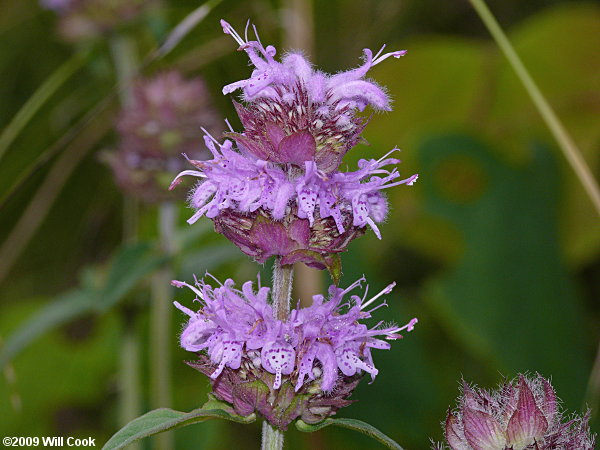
(520, 415)
(256, 362)
(297, 123)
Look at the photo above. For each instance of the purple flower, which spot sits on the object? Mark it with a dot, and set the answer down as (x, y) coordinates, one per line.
(522, 414)
(298, 123)
(88, 19)
(159, 124)
(244, 183)
(318, 350)
(295, 113)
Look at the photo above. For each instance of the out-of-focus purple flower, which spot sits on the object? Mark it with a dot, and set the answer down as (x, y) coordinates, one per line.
(318, 350)
(87, 19)
(298, 123)
(161, 122)
(521, 414)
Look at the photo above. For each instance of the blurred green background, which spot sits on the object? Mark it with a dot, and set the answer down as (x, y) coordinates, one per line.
(495, 249)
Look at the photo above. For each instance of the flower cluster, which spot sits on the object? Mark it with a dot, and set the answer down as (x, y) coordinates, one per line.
(159, 124)
(318, 348)
(298, 124)
(522, 414)
(87, 19)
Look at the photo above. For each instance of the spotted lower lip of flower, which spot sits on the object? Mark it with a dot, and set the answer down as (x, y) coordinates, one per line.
(312, 361)
(290, 105)
(521, 414)
(236, 184)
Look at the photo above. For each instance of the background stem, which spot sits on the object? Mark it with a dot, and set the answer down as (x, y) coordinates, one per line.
(160, 329)
(126, 62)
(561, 135)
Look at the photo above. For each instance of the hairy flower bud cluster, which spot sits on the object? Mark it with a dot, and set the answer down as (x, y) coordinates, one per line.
(317, 351)
(283, 168)
(159, 124)
(521, 414)
(86, 19)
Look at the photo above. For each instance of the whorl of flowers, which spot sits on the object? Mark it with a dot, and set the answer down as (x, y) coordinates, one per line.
(298, 123)
(244, 183)
(521, 414)
(316, 346)
(289, 97)
(155, 127)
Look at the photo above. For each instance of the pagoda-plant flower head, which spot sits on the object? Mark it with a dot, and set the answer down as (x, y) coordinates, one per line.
(293, 113)
(155, 128)
(275, 188)
(521, 414)
(313, 360)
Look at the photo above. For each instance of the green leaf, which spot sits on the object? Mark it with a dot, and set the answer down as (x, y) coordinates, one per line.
(128, 267)
(352, 424)
(56, 313)
(165, 419)
(38, 99)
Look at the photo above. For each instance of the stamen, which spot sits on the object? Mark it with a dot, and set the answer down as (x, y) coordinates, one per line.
(396, 54)
(357, 283)
(228, 29)
(408, 327)
(229, 125)
(408, 181)
(180, 284)
(385, 291)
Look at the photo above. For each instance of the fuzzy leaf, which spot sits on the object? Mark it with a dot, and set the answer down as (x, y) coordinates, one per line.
(164, 419)
(353, 424)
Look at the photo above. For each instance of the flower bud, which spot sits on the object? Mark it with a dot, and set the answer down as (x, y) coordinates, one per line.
(521, 414)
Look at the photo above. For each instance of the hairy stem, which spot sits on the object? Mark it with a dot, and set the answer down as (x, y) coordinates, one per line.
(283, 276)
(160, 330)
(557, 129)
(272, 438)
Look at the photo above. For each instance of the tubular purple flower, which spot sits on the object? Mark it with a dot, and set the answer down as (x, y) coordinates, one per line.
(319, 349)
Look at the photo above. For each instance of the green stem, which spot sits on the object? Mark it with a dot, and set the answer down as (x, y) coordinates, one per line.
(561, 135)
(272, 438)
(126, 63)
(129, 407)
(283, 275)
(160, 329)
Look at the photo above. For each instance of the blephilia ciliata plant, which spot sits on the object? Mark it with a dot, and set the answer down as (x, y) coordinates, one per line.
(520, 414)
(275, 189)
(159, 123)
